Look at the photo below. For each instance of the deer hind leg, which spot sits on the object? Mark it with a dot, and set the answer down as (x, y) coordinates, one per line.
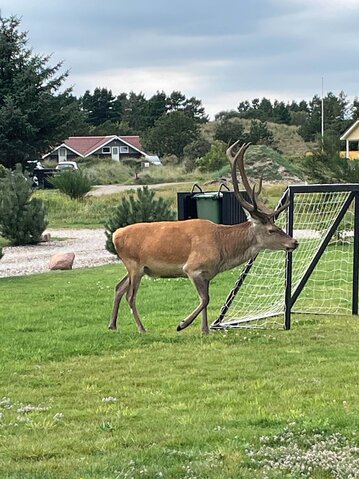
(120, 290)
(202, 286)
(135, 280)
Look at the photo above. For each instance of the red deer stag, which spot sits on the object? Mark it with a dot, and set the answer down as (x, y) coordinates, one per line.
(197, 249)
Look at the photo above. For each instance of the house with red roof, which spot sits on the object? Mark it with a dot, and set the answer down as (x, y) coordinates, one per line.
(117, 148)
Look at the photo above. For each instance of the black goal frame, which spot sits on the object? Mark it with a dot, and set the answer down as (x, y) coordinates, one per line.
(292, 296)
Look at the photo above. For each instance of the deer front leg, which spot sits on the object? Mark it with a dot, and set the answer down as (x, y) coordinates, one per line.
(120, 290)
(202, 286)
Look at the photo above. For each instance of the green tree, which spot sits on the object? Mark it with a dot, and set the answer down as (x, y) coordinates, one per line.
(22, 217)
(194, 151)
(135, 112)
(215, 159)
(281, 113)
(324, 164)
(34, 115)
(229, 131)
(145, 207)
(99, 106)
(171, 133)
(156, 107)
(335, 116)
(260, 134)
(178, 102)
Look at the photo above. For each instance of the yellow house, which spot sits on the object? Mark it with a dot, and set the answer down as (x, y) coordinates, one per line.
(351, 135)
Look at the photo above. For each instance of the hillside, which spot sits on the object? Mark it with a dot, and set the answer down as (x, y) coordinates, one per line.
(261, 159)
(286, 138)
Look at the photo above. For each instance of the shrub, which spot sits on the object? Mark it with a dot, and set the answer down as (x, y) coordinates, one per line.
(22, 218)
(73, 183)
(3, 171)
(216, 157)
(324, 165)
(144, 208)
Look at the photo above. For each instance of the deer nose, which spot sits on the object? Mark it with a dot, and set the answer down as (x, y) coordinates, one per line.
(295, 245)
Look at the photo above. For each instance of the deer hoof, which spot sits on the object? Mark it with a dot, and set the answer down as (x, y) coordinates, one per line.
(112, 327)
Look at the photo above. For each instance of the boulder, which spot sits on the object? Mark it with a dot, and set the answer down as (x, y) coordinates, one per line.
(62, 261)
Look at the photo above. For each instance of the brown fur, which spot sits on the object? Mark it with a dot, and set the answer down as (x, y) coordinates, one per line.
(197, 249)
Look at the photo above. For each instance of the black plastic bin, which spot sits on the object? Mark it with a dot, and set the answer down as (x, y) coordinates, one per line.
(219, 206)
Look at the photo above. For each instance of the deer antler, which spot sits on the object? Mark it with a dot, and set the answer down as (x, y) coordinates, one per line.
(233, 159)
(257, 208)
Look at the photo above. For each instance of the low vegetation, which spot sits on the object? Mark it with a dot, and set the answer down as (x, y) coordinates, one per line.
(80, 401)
(63, 212)
(144, 207)
(92, 212)
(74, 184)
(22, 216)
(106, 172)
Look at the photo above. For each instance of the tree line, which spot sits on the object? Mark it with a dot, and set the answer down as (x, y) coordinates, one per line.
(339, 113)
(37, 113)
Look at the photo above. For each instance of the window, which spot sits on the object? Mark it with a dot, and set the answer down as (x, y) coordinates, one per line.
(124, 149)
(106, 149)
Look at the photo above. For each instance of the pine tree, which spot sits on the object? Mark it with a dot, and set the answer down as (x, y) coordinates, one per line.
(33, 114)
(22, 218)
(144, 208)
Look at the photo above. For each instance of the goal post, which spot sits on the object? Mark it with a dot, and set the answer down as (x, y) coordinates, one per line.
(320, 277)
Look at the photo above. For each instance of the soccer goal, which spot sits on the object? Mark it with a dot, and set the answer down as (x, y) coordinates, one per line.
(320, 277)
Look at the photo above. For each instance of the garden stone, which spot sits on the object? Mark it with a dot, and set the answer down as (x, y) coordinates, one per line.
(62, 261)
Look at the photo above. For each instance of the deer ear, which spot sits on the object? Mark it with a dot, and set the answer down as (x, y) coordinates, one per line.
(258, 217)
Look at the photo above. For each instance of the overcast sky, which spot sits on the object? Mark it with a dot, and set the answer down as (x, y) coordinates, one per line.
(222, 51)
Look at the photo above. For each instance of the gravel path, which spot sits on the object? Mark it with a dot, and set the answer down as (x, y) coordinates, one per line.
(111, 189)
(88, 246)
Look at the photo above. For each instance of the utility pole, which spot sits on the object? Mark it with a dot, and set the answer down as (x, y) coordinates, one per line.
(322, 114)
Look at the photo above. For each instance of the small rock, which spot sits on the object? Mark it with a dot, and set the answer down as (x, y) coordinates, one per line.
(45, 238)
(62, 261)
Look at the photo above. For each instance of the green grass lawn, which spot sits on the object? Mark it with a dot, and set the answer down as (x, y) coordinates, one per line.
(80, 401)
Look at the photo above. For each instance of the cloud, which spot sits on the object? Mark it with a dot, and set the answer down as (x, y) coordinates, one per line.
(217, 51)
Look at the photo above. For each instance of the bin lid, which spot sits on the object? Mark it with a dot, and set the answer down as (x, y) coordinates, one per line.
(211, 195)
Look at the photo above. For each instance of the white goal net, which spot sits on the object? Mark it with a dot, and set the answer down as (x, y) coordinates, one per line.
(328, 290)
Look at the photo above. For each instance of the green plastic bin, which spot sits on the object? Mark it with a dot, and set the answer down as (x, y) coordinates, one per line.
(209, 206)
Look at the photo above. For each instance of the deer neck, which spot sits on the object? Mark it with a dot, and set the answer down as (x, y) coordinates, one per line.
(239, 244)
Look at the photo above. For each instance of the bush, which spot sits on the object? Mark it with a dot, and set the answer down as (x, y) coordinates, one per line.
(216, 157)
(3, 171)
(324, 165)
(22, 218)
(73, 183)
(144, 208)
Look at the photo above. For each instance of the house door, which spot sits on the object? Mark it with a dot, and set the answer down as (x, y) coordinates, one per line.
(116, 153)
(62, 154)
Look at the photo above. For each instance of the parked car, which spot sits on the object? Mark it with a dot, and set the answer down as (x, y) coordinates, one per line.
(42, 176)
(67, 165)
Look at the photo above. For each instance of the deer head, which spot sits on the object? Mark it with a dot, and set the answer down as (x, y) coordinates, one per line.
(268, 234)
